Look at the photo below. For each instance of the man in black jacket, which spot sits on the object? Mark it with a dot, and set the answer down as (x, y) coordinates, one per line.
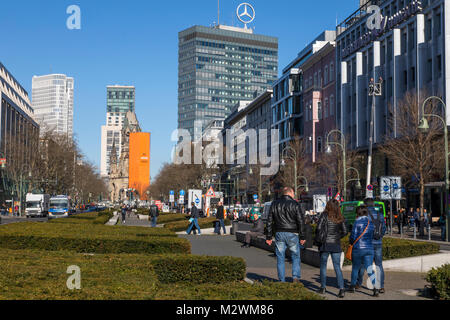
(154, 213)
(220, 215)
(194, 216)
(287, 220)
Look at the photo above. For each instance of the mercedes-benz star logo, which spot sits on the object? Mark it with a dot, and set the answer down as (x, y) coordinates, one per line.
(247, 15)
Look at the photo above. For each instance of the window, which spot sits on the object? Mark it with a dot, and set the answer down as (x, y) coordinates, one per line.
(331, 72)
(325, 76)
(319, 144)
(319, 110)
(326, 108)
(332, 106)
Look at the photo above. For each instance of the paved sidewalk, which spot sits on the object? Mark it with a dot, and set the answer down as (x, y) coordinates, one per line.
(262, 265)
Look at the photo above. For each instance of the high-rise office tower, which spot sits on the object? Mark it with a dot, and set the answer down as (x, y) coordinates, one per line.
(52, 97)
(218, 68)
(120, 100)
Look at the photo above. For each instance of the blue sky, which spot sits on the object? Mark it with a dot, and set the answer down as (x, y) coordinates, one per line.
(135, 42)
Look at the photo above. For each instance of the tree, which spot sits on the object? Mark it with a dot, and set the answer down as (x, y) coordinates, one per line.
(414, 153)
(295, 157)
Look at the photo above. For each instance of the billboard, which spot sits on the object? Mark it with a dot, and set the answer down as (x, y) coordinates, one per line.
(139, 163)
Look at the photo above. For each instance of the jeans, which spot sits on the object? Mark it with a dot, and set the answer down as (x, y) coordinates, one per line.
(378, 258)
(362, 257)
(289, 240)
(154, 219)
(336, 258)
(443, 232)
(194, 223)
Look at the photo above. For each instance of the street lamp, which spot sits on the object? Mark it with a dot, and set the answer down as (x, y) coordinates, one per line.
(304, 185)
(358, 180)
(343, 147)
(424, 126)
(283, 163)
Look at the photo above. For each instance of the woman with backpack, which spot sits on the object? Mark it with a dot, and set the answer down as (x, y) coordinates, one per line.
(331, 229)
(362, 249)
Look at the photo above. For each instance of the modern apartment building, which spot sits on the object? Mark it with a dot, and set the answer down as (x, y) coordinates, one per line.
(218, 67)
(53, 98)
(120, 100)
(301, 91)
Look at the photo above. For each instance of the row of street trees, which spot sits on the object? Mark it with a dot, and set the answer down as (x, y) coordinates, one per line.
(50, 163)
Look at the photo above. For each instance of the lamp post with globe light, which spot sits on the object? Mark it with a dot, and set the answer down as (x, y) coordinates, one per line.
(424, 126)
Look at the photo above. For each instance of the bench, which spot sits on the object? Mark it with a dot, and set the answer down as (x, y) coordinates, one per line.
(310, 256)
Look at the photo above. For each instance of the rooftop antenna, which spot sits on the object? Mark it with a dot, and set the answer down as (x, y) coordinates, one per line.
(218, 12)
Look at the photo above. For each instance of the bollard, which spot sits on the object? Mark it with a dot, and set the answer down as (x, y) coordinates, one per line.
(401, 230)
(414, 232)
(429, 232)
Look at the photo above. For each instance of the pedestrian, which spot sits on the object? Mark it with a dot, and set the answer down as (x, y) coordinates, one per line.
(154, 214)
(417, 218)
(421, 225)
(443, 225)
(220, 215)
(3, 209)
(400, 220)
(376, 218)
(256, 231)
(124, 213)
(361, 239)
(286, 221)
(330, 230)
(194, 219)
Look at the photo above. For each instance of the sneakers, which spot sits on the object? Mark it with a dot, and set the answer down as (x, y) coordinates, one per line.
(381, 291)
(295, 280)
(358, 287)
(341, 293)
(245, 245)
(351, 289)
(321, 291)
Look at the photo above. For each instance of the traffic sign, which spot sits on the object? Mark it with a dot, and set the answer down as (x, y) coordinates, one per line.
(2, 162)
(391, 188)
(172, 192)
(370, 187)
(330, 192)
(210, 192)
(255, 196)
(182, 193)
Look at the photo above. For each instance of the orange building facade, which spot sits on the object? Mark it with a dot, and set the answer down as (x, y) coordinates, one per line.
(139, 165)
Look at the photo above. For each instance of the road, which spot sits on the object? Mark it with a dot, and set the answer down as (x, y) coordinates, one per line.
(262, 265)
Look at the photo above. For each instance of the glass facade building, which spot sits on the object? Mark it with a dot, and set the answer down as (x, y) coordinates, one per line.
(218, 67)
(53, 102)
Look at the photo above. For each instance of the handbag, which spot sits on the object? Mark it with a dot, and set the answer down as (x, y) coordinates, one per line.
(348, 254)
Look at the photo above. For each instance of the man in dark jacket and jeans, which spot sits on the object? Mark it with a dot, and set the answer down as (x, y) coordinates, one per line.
(287, 220)
(220, 215)
(154, 213)
(195, 215)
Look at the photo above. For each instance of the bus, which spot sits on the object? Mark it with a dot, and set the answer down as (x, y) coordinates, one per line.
(59, 207)
(349, 211)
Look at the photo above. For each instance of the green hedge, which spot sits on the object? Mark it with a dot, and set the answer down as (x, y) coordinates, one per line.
(91, 238)
(236, 291)
(198, 269)
(204, 223)
(153, 245)
(394, 248)
(439, 278)
(41, 275)
(86, 218)
(163, 219)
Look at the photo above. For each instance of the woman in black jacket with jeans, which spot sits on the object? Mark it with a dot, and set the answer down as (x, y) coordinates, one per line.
(330, 230)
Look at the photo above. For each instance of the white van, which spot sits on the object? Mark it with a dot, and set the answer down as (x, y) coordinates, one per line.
(37, 205)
